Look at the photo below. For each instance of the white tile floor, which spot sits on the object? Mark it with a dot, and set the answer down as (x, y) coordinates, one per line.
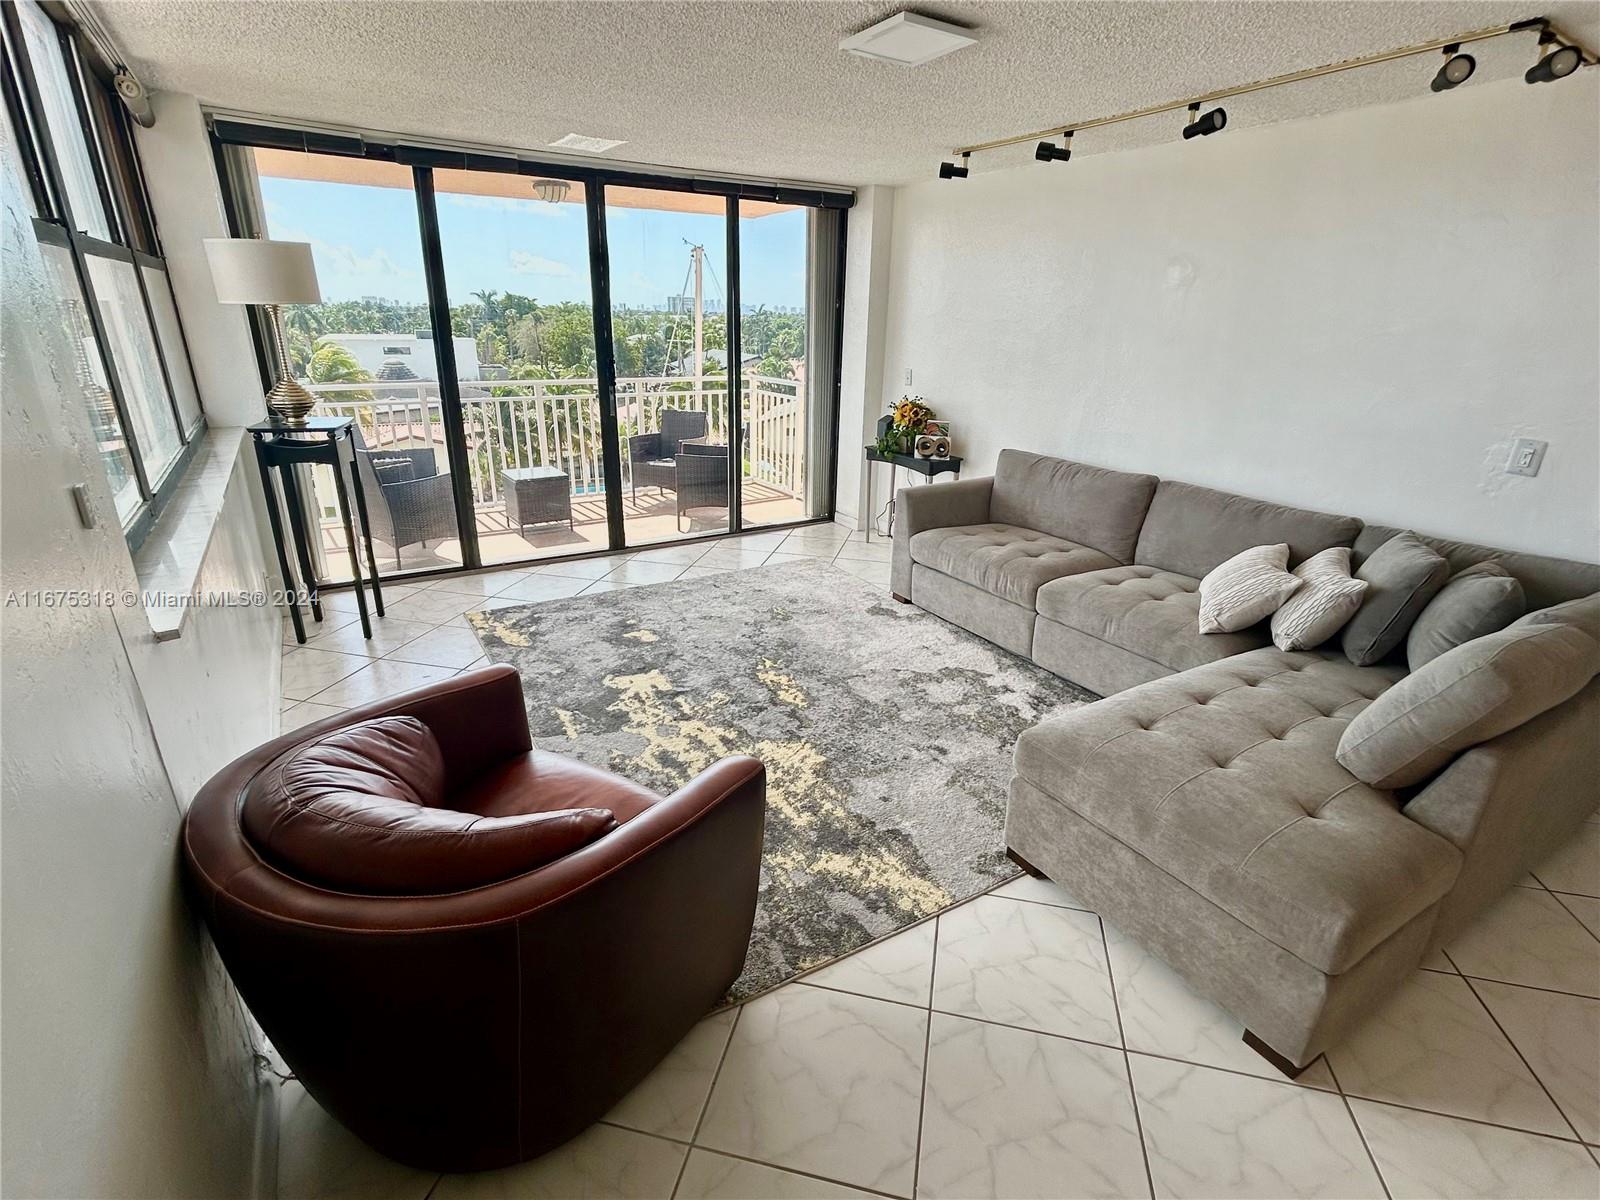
(1019, 1046)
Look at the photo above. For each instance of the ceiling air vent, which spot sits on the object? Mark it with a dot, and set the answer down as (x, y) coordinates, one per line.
(908, 39)
(588, 145)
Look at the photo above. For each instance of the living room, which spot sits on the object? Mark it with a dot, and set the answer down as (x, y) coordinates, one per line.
(801, 599)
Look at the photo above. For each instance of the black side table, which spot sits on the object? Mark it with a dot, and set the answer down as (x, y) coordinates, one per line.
(330, 441)
(922, 466)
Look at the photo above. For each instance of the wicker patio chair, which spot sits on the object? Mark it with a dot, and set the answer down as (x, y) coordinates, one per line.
(652, 456)
(700, 478)
(408, 500)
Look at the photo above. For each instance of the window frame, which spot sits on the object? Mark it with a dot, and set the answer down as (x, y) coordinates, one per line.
(119, 178)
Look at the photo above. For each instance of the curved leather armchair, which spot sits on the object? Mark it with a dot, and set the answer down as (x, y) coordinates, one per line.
(477, 1028)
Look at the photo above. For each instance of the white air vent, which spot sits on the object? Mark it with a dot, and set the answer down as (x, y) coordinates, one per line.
(589, 145)
(908, 39)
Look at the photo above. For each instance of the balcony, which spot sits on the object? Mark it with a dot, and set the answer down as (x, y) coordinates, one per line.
(513, 424)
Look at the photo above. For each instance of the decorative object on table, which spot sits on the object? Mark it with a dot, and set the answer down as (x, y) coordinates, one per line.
(939, 431)
(536, 496)
(330, 442)
(925, 445)
(906, 418)
(271, 274)
(862, 838)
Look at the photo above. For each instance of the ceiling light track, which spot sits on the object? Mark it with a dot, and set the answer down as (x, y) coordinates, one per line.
(1560, 56)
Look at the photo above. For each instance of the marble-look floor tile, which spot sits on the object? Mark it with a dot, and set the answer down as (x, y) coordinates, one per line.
(1213, 1133)
(833, 535)
(1033, 965)
(446, 646)
(1528, 937)
(734, 558)
(875, 573)
(865, 552)
(636, 570)
(486, 583)
(307, 672)
(823, 1082)
(318, 1159)
(1428, 1157)
(684, 556)
(669, 1100)
(1012, 1114)
(476, 664)
(315, 631)
(344, 602)
(798, 551)
(753, 541)
(601, 1163)
(1576, 866)
(1559, 1035)
(699, 571)
(378, 679)
(1432, 1045)
(1585, 908)
(582, 568)
(539, 587)
(432, 606)
(898, 968)
(1161, 1014)
(1040, 891)
(605, 585)
(388, 633)
(306, 712)
(712, 1176)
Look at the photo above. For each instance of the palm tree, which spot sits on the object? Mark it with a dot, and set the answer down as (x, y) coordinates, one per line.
(489, 298)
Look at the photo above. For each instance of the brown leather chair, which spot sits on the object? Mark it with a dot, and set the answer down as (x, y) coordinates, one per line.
(370, 893)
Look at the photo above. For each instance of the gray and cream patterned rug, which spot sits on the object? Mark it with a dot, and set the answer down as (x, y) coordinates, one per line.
(887, 735)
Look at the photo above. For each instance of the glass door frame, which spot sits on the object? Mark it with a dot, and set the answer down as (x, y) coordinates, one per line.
(423, 159)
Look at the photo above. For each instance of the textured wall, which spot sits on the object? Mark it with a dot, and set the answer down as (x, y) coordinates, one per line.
(127, 1060)
(1356, 313)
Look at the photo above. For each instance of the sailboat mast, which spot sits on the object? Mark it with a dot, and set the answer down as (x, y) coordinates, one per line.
(699, 315)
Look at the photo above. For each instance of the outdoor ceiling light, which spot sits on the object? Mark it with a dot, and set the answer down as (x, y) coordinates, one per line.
(1047, 152)
(551, 191)
(1204, 126)
(1457, 69)
(949, 170)
(1557, 64)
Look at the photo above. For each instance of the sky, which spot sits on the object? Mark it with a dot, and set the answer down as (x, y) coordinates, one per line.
(365, 241)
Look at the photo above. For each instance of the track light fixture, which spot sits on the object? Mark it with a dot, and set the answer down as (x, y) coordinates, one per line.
(949, 170)
(1457, 69)
(1198, 126)
(1047, 152)
(1554, 64)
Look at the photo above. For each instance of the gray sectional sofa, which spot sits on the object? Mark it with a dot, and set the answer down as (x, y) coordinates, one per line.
(1200, 806)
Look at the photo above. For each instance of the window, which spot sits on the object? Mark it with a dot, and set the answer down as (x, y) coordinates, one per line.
(92, 220)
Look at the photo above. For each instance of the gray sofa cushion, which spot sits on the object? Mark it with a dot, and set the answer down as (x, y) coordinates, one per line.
(1584, 612)
(1005, 560)
(1153, 613)
(1404, 573)
(1191, 529)
(1093, 506)
(1545, 580)
(1466, 696)
(1484, 598)
(1224, 777)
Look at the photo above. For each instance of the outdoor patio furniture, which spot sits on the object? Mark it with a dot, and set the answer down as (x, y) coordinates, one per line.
(700, 478)
(408, 500)
(652, 457)
(536, 496)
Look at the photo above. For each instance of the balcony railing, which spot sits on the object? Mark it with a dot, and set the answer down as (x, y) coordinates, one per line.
(556, 422)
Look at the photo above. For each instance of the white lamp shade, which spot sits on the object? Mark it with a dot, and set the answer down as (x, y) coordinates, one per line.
(256, 271)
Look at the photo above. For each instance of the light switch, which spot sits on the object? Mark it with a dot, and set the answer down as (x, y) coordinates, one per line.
(1527, 454)
(908, 376)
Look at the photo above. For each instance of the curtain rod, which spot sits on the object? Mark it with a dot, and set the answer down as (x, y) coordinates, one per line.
(1541, 24)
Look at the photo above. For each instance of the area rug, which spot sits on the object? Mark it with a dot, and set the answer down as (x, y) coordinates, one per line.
(887, 735)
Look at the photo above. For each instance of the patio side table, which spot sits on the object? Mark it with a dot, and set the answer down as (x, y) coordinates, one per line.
(536, 496)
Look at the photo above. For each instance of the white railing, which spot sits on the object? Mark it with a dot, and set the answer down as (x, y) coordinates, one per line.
(556, 422)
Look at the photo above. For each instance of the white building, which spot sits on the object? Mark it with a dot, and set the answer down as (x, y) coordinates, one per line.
(415, 350)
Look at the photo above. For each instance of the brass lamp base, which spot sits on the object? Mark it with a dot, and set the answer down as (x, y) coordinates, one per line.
(290, 403)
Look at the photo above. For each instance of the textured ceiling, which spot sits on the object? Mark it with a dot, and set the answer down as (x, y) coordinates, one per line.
(763, 89)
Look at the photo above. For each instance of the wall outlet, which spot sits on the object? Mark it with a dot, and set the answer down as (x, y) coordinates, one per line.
(1527, 454)
(908, 376)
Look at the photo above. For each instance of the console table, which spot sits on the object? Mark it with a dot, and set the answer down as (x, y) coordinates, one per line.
(929, 467)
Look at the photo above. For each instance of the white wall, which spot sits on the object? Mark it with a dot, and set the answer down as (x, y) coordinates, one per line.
(866, 297)
(1355, 313)
(128, 1061)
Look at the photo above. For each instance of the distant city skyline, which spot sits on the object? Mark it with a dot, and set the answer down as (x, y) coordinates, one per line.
(366, 244)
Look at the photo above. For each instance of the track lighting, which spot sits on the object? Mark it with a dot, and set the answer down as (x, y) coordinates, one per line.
(1457, 69)
(1557, 63)
(1199, 126)
(949, 170)
(1046, 152)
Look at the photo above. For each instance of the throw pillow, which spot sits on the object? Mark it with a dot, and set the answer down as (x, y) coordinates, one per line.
(1466, 696)
(1319, 609)
(1247, 588)
(1584, 612)
(1482, 599)
(1404, 573)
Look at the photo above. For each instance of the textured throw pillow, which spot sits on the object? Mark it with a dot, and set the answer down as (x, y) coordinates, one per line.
(1584, 612)
(1467, 695)
(1482, 599)
(1319, 609)
(1247, 588)
(1404, 572)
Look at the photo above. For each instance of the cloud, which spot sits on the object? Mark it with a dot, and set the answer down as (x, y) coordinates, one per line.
(524, 263)
(341, 258)
(530, 207)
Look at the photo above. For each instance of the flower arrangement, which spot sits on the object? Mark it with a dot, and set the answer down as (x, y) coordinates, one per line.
(907, 417)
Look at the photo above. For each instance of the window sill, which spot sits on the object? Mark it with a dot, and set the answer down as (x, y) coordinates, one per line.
(169, 560)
